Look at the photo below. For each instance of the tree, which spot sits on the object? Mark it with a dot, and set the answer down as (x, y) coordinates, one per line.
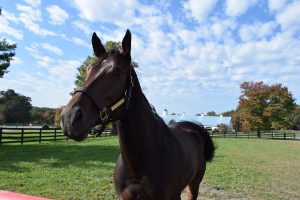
(7, 52)
(80, 76)
(280, 106)
(295, 119)
(236, 120)
(43, 115)
(228, 113)
(211, 113)
(2, 117)
(223, 128)
(263, 107)
(57, 117)
(16, 107)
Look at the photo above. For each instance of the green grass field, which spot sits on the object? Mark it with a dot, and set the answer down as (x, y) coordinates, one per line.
(261, 169)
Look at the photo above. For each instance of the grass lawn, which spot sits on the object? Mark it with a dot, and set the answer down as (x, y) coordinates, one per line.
(61, 170)
(261, 169)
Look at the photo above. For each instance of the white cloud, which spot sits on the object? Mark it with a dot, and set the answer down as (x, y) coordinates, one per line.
(44, 90)
(29, 16)
(222, 29)
(199, 10)
(82, 26)
(80, 42)
(57, 15)
(16, 61)
(41, 60)
(119, 12)
(179, 59)
(289, 17)
(5, 28)
(257, 31)
(235, 8)
(29, 13)
(45, 61)
(33, 3)
(276, 5)
(65, 69)
(124, 14)
(52, 48)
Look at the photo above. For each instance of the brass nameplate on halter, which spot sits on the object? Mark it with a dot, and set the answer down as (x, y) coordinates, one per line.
(118, 104)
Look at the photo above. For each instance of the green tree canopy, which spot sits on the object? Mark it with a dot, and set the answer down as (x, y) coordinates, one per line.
(295, 118)
(43, 115)
(263, 107)
(211, 113)
(80, 76)
(7, 52)
(228, 113)
(16, 107)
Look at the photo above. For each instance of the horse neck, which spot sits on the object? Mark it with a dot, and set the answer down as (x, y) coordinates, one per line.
(138, 128)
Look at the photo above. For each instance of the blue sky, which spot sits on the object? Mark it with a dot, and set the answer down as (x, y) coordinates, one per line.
(193, 55)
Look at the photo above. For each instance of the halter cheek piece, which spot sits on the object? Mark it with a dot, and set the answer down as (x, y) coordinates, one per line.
(105, 112)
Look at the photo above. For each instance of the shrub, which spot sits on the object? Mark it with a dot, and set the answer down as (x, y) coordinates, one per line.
(223, 128)
(45, 126)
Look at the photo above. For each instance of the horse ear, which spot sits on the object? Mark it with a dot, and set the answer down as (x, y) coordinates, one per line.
(98, 48)
(126, 43)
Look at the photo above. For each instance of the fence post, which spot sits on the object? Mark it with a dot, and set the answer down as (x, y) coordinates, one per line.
(40, 137)
(55, 135)
(235, 134)
(284, 135)
(0, 136)
(22, 136)
(293, 133)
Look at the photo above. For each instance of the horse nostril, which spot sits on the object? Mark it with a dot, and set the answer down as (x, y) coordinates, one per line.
(75, 115)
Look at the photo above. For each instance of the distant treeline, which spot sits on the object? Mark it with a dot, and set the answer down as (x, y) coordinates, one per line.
(17, 109)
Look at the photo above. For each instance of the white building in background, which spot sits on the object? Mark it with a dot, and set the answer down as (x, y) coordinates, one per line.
(209, 122)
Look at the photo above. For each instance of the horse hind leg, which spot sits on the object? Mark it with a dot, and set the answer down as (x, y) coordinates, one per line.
(192, 192)
(193, 187)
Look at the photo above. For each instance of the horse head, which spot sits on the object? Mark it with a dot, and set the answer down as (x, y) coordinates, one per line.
(105, 92)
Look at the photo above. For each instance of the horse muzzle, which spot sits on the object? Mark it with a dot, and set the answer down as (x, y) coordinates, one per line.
(74, 123)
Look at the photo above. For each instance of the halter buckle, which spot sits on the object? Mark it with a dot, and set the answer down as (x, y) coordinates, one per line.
(104, 115)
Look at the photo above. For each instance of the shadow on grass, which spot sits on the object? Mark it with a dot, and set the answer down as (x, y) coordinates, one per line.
(57, 155)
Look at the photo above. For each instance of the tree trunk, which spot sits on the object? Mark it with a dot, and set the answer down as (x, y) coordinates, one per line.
(258, 133)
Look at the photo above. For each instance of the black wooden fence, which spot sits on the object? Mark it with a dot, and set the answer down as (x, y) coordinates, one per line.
(25, 135)
(264, 135)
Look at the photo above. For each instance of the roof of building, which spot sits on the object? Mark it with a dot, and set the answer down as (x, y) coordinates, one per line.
(212, 121)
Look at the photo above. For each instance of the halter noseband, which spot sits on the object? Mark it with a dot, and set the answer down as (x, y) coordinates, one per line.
(105, 112)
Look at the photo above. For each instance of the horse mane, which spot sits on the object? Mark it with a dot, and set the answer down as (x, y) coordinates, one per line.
(143, 97)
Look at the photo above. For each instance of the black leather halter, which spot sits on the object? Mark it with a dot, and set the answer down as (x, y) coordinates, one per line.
(105, 112)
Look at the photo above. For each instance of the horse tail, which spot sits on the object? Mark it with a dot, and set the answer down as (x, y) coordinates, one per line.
(209, 147)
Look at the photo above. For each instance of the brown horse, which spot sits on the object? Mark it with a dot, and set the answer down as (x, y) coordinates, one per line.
(156, 161)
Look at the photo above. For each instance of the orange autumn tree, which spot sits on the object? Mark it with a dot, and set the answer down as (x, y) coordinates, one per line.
(264, 107)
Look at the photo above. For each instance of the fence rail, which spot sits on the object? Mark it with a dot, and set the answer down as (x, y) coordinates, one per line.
(25, 135)
(264, 135)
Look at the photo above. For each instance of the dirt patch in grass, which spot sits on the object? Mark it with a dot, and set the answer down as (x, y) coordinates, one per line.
(209, 193)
